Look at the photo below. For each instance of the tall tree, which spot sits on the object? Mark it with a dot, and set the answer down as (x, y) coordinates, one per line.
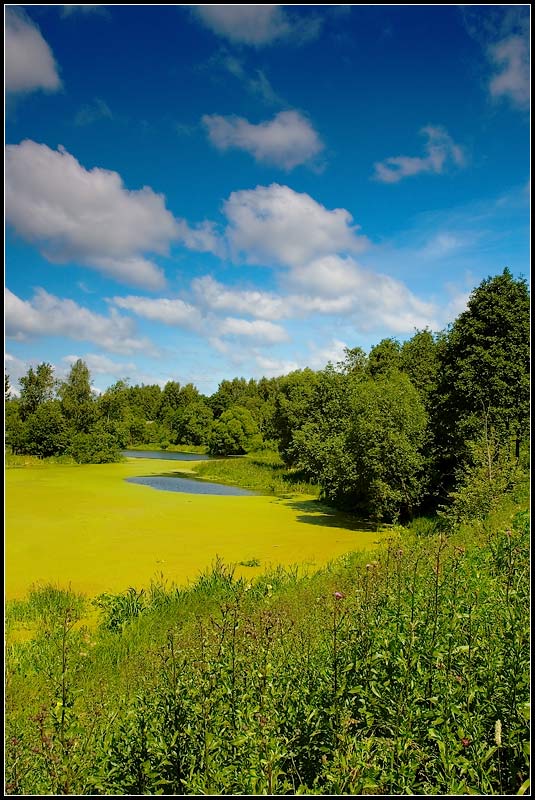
(36, 387)
(384, 357)
(483, 390)
(77, 401)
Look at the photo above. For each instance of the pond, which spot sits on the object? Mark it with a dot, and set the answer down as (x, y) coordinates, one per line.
(165, 454)
(172, 484)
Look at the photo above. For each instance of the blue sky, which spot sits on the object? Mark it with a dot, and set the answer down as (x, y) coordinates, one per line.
(202, 192)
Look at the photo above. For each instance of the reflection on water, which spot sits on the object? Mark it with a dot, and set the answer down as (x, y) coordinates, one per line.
(187, 485)
(164, 454)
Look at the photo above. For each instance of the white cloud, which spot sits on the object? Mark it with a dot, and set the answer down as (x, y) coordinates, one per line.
(328, 277)
(257, 25)
(29, 62)
(48, 315)
(286, 141)
(170, 311)
(178, 313)
(89, 217)
(203, 238)
(370, 300)
(274, 367)
(218, 297)
(511, 56)
(102, 365)
(259, 329)
(440, 152)
(275, 225)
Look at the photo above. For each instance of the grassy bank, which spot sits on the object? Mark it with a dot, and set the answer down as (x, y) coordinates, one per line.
(402, 673)
(261, 472)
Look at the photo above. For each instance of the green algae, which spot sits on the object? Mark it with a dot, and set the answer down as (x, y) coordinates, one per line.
(86, 528)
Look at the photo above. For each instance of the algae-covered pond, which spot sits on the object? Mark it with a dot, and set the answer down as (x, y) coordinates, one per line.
(88, 527)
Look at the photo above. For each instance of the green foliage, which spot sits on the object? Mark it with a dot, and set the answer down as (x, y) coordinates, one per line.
(419, 359)
(77, 401)
(234, 433)
(384, 357)
(192, 423)
(96, 447)
(36, 387)
(483, 387)
(46, 430)
(373, 463)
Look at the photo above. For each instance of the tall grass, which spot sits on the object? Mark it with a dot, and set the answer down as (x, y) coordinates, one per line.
(262, 472)
(404, 674)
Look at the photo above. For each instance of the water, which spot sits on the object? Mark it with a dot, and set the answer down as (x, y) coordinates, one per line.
(186, 485)
(164, 454)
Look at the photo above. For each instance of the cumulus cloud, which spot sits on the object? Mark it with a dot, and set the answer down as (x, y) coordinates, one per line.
(29, 62)
(257, 25)
(261, 330)
(511, 57)
(286, 141)
(177, 313)
(89, 217)
(273, 367)
(215, 296)
(170, 311)
(440, 153)
(48, 315)
(102, 365)
(276, 225)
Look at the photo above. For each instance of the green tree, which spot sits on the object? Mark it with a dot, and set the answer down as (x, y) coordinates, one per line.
(77, 401)
(169, 400)
(293, 407)
(372, 463)
(97, 446)
(235, 433)
(419, 359)
(192, 423)
(384, 357)
(16, 431)
(46, 430)
(355, 361)
(484, 388)
(36, 387)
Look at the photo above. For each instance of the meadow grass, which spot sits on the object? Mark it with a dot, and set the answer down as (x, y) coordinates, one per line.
(261, 472)
(85, 527)
(405, 671)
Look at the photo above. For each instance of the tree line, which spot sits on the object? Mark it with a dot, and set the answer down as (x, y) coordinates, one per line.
(441, 420)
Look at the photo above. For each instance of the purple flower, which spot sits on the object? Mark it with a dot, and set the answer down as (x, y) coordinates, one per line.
(339, 595)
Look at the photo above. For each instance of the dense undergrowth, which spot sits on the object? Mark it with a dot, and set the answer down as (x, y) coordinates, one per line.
(408, 673)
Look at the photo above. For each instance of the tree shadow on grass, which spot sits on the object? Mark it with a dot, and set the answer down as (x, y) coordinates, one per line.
(314, 512)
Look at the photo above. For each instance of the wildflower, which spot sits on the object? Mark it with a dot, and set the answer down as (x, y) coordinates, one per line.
(498, 732)
(458, 679)
(339, 595)
(465, 742)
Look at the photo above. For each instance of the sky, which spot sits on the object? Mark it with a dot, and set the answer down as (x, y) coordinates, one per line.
(196, 193)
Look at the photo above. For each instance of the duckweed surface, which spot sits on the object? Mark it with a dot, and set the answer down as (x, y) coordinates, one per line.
(88, 528)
